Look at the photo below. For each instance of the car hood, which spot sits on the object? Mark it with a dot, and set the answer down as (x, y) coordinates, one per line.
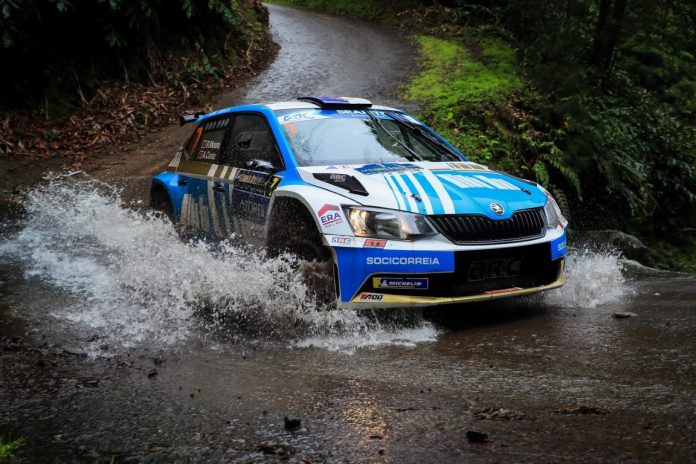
(431, 188)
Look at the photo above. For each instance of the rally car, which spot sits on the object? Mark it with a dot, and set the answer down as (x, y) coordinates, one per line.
(391, 213)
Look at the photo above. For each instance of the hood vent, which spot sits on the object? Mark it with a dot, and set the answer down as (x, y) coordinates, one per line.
(344, 181)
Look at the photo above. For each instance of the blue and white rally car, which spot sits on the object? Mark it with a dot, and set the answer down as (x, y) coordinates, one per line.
(391, 214)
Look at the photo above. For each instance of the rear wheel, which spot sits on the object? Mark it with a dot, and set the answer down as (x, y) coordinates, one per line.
(294, 231)
(161, 204)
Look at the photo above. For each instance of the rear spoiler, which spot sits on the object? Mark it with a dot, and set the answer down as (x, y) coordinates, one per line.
(187, 118)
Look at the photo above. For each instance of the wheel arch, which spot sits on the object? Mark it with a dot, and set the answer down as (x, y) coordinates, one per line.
(283, 206)
(166, 186)
(285, 209)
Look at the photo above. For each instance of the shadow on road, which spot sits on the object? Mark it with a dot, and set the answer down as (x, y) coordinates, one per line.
(475, 315)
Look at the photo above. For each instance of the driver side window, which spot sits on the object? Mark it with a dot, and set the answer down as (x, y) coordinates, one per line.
(251, 145)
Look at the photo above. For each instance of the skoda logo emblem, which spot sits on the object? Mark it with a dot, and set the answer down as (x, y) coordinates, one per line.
(497, 209)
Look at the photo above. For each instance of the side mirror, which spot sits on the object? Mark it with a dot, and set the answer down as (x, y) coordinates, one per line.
(261, 165)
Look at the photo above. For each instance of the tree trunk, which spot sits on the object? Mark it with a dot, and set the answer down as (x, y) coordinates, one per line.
(611, 14)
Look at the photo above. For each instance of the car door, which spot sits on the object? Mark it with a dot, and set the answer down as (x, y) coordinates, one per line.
(203, 209)
(253, 158)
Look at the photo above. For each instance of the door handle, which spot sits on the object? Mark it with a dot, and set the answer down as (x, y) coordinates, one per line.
(182, 182)
(219, 188)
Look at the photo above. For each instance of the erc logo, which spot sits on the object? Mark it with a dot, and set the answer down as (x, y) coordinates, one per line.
(341, 240)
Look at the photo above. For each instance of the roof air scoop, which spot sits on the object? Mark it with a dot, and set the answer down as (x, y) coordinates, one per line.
(338, 103)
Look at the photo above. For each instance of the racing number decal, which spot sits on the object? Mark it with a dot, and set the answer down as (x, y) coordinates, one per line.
(274, 183)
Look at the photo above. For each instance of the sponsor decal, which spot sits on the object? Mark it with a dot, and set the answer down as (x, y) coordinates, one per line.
(369, 169)
(558, 247)
(338, 240)
(326, 208)
(303, 116)
(358, 264)
(497, 209)
(330, 215)
(338, 177)
(250, 207)
(466, 167)
(477, 181)
(350, 112)
(252, 178)
(494, 269)
(256, 182)
(401, 260)
(502, 290)
(210, 144)
(206, 155)
(371, 297)
(374, 243)
(409, 283)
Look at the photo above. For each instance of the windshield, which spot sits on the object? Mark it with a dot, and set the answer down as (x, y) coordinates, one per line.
(323, 137)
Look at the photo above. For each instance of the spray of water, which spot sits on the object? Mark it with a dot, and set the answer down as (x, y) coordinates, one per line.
(134, 281)
(592, 279)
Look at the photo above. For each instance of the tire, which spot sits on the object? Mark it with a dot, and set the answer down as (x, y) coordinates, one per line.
(161, 204)
(295, 232)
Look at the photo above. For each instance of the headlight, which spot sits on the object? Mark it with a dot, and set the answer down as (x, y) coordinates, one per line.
(380, 223)
(554, 217)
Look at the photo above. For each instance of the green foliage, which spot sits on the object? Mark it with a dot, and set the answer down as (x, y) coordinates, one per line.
(470, 88)
(61, 49)
(627, 137)
(9, 447)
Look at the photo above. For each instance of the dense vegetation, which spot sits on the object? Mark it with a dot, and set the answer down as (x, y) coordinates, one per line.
(8, 448)
(56, 52)
(594, 98)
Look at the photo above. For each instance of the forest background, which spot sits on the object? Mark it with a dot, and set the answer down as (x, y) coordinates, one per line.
(596, 99)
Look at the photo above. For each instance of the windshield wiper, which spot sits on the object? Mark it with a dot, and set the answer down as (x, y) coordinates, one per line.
(376, 120)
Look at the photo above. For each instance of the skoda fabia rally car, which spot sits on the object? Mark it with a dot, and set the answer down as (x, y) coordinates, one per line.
(391, 213)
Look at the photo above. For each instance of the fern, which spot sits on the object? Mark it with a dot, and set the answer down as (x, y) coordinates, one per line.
(541, 173)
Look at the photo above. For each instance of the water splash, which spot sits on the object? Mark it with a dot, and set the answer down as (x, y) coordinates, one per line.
(593, 278)
(136, 283)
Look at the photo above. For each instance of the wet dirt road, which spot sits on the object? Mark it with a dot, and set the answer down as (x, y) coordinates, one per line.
(120, 343)
(325, 55)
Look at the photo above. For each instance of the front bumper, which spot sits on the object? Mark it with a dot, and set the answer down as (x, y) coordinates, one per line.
(425, 274)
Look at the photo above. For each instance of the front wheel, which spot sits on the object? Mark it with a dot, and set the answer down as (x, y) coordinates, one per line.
(296, 233)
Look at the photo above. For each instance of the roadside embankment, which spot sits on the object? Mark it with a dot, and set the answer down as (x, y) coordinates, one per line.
(98, 110)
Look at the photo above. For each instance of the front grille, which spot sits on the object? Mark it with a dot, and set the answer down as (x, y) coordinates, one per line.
(475, 228)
